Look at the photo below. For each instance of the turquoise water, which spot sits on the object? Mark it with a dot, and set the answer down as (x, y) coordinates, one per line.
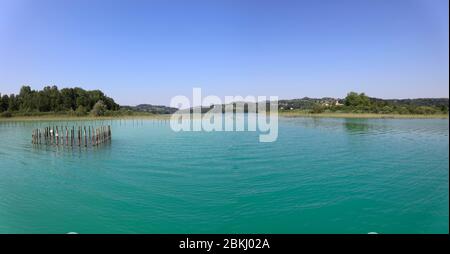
(320, 176)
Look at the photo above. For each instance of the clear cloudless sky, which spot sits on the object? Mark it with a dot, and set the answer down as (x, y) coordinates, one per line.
(149, 51)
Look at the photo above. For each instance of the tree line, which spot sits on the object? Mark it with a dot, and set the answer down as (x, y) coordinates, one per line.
(80, 102)
(50, 99)
(361, 103)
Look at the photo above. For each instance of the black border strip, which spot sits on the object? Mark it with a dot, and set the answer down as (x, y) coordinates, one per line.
(147, 243)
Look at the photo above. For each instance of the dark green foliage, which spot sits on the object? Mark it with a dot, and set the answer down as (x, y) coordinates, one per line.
(4, 102)
(68, 100)
(317, 109)
(81, 111)
(357, 100)
(6, 114)
(361, 103)
(13, 103)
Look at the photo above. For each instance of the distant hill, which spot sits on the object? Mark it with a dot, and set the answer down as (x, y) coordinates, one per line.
(353, 103)
(433, 102)
(310, 103)
(154, 109)
(361, 103)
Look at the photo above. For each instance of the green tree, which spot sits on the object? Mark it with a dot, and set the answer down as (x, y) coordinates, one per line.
(356, 100)
(13, 103)
(4, 103)
(317, 109)
(54, 98)
(386, 109)
(81, 111)
(425, 110)
(25, 98)
(43, 101)
(99, 109)
(68, 98)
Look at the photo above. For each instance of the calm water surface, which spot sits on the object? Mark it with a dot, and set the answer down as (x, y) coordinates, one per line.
(320, 176)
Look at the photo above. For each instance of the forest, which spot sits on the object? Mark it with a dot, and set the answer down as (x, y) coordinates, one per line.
(73, 101)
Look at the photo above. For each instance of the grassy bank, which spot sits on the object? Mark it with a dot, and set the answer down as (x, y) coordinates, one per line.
(55, 117)
(65, 117)
(295, 113)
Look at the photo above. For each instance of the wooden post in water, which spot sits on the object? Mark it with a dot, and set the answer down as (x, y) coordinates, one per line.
(85, 136)
(65, 136)
(92, 137)
(57, 136)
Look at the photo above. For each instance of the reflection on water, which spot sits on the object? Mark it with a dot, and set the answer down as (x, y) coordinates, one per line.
(356, 126)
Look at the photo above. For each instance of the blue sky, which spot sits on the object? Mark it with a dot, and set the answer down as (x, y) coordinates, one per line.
(148, 51)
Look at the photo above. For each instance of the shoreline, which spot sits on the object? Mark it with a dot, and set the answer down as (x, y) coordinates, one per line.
(81, 118)
(167, 116)
(362, 115)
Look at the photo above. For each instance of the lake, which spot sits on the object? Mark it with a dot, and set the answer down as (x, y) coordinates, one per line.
(320, 176)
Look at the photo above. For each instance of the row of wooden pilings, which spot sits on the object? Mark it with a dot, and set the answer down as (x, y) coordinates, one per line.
(72, 136)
